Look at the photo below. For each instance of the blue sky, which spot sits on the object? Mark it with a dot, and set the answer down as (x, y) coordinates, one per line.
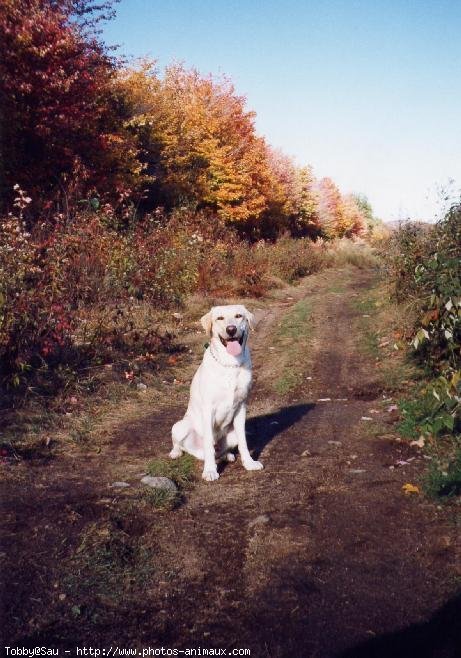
(367, 92)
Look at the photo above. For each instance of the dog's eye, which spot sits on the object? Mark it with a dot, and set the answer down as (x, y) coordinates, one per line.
(239, 315)
(220, 318)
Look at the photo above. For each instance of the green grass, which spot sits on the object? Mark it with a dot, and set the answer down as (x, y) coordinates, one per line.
(81, 433)
(182, 471)
(292, 339)
(287, 382)
(365, 305)
(370, 342)
(106, 564)
(294, 323)
(337, 288)
(162, 499)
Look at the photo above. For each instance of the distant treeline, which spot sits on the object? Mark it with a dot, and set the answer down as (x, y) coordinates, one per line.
(80, 127)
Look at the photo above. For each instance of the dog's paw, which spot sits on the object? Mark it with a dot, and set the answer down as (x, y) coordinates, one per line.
(210, 474)
(175, 453)
(230, 457)
(252, 465)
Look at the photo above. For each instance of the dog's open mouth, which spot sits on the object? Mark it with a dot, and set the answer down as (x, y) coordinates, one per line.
(233, 345)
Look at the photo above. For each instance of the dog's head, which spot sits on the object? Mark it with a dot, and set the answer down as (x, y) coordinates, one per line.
(228, 327)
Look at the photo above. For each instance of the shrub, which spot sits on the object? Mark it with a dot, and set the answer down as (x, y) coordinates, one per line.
(426, 264)
(404, 251)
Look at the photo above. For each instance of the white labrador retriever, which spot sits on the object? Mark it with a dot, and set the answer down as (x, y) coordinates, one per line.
(216, 413)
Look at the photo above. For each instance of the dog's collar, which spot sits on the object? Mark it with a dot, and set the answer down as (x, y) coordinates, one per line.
(224, 365)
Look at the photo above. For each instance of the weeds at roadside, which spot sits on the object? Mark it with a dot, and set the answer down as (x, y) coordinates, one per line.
(443, 479)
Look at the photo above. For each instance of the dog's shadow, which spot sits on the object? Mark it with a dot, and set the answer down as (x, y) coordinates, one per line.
(263, 429)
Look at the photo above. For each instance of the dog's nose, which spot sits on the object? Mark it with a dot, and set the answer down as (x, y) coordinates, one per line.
(231, 329)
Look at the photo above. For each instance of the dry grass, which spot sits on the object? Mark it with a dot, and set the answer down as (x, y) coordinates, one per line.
(352, 252)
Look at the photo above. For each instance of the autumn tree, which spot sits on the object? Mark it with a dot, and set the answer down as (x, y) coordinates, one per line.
(306, 218)
(367, 211)
(60, 113)
(199, 142)
(354, 220)
(331, 216)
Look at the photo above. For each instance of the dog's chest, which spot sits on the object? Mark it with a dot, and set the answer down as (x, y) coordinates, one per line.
(231, 390)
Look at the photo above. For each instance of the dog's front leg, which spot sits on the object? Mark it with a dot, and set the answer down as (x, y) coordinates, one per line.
(210, 472)
(239, 427)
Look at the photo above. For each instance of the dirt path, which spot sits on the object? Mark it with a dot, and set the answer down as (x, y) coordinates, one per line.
(318, 554)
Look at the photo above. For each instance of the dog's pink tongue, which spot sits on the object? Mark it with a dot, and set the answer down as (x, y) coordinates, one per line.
(233, 347)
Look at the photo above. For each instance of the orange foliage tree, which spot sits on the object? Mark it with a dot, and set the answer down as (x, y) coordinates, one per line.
(199, 142)
(339, 216)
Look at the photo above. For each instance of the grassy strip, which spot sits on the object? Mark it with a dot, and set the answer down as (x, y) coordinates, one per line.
(292, 339)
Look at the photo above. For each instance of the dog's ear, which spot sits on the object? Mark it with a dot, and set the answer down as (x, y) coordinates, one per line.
(207, 322)
(251, 319)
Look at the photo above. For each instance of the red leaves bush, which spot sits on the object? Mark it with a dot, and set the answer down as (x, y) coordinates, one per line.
(83, 293)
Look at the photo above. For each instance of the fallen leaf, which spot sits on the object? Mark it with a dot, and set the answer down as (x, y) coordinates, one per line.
(410, 489)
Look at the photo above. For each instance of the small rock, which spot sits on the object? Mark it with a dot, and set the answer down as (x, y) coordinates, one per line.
(159, 482)
(141, 387)
(356, 471)
(366, 418)
(335, 443)
(177, 316)
(324, 400)
(119, 485)
(419, 443)
(259, 520)
(306, 453)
